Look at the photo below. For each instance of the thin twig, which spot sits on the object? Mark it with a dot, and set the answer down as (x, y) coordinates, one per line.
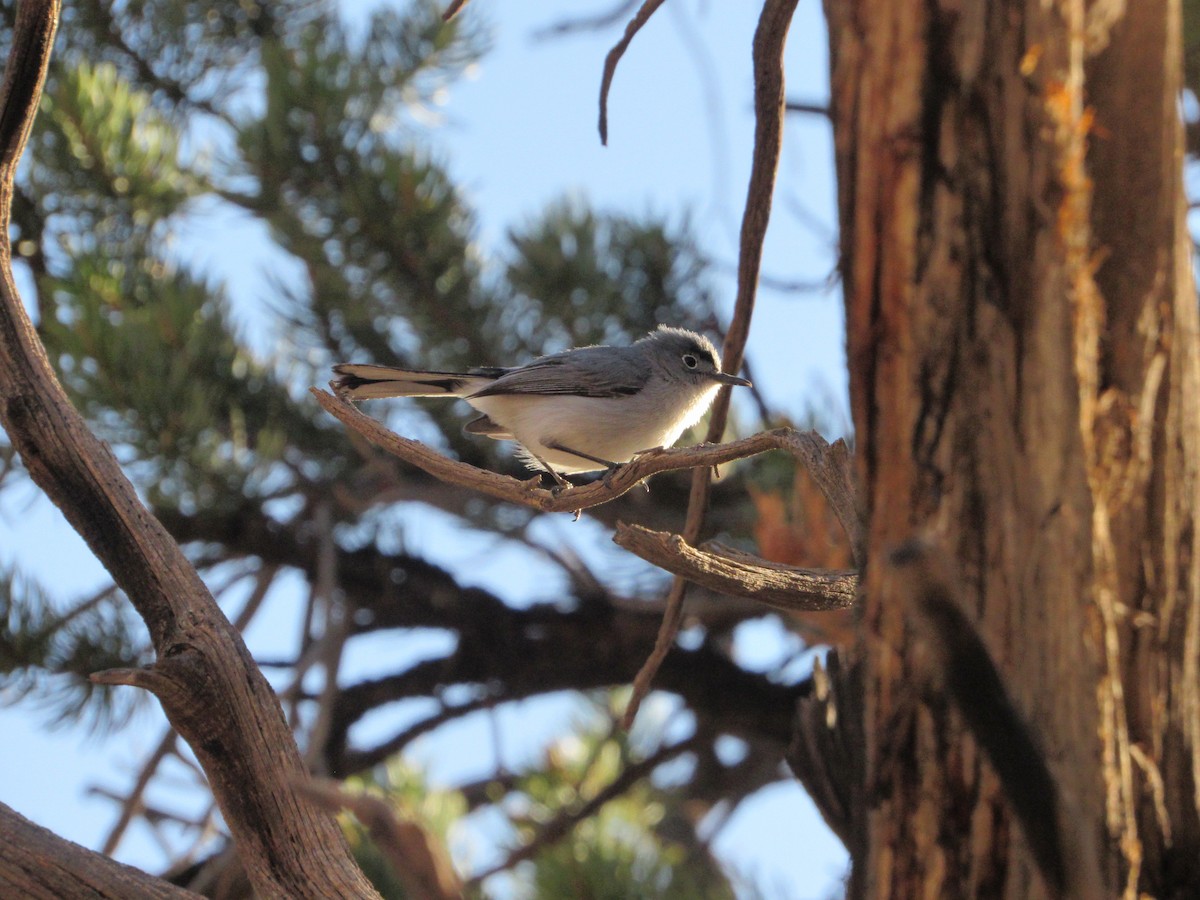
(358, 760)
(586, 23)
(614, 56)
(292, 695)
(333, 639)
(134, 799)
(785, 285)
(263, 580)
(154, 815)
(769, 40)
(455, 7)
(562, 824)
(810, 109)
(729, 571)
(86, 606)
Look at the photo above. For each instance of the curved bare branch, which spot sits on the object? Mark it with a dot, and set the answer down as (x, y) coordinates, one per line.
(37, 864)
(210, 690)
(729, 571)
(769, 40)
(614, 56)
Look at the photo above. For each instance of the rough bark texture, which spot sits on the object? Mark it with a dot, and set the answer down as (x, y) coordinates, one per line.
(36, 864)
(208, 685)
(1146, 435)
(1023, 351)
(729, 570)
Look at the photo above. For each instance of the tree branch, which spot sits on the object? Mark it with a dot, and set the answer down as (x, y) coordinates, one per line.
(531, 662)
(507, 654)
(562, 824)
(37, 864)
(33, 39)
(769, 40)
(132, 802)
(729, 571)
(358, 760)
(209, 687)
(587, 23)
(529, 493)
(829, 465)
(419, 862)
(827, 753)
(455, 7)
(635, 24)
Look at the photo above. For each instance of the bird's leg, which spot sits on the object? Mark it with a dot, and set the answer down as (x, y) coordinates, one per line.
(555, 445)
(609, 465)
(560, 483)
(645, 482)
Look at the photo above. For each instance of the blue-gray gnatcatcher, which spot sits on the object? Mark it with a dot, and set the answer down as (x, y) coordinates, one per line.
(578, 411)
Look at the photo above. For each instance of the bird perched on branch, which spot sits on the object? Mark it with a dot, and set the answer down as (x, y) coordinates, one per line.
(581, 410)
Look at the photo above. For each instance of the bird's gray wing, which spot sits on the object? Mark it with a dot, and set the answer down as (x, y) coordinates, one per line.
(585, 372)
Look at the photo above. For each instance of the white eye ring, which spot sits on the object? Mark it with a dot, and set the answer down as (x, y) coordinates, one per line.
(690, 361)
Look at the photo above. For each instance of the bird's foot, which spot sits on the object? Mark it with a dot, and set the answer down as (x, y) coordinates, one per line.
(609, 472)
(645, 482)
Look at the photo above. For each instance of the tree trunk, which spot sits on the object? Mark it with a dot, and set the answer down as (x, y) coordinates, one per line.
(1022, 331)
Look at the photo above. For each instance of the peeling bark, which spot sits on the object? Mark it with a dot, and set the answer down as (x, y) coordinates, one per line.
(1023, 351)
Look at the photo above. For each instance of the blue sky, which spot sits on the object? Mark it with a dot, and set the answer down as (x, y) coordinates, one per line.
(518, 133)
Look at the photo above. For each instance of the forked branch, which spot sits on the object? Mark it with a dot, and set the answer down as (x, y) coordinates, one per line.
(729, 571)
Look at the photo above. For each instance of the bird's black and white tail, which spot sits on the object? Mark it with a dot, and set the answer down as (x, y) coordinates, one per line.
(357, 381)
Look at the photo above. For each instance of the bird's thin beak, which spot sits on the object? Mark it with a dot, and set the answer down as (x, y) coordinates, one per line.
(730, 379)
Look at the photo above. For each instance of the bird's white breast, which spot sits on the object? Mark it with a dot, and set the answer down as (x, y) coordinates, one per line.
(611, 428)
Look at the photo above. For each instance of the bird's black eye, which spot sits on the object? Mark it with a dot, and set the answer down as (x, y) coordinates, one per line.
(689, 361)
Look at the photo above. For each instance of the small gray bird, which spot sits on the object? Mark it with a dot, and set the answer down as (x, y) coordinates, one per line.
(578, 411)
